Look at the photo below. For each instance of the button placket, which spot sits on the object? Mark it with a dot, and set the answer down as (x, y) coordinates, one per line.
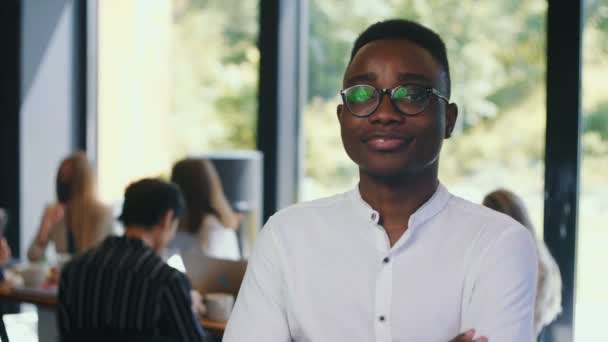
(384, 293)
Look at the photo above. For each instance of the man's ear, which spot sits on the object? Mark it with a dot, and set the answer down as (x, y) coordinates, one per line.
(339, 111)
(451, 114)
(167, 219)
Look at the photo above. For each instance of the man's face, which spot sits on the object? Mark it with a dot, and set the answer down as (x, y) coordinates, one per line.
(169, 231)
(388, 143)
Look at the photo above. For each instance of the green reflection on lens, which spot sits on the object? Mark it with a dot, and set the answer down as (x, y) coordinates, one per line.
(401, 93)
(360, 94)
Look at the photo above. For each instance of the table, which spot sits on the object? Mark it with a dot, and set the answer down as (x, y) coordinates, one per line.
(39, 297)
(47, 299)
(214, 327)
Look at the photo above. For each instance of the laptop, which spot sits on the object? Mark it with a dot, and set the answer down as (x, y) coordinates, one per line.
(209, 274)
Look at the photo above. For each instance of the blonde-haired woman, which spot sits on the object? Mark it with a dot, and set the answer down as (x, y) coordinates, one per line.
(209, 224)
(78, 220)
(549, 288)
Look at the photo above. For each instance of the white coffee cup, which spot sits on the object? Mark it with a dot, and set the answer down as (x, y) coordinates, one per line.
(219, 305)
(34, 274)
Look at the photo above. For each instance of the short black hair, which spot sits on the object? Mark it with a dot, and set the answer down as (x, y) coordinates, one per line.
(406, 30)
(147, 200)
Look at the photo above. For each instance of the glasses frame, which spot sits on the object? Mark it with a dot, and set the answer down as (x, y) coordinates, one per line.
(391, 91)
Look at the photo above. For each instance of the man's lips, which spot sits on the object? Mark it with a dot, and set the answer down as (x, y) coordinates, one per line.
(388, 142)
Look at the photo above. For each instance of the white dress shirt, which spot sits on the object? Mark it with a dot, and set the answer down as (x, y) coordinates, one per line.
(212, 239)
(325, 271)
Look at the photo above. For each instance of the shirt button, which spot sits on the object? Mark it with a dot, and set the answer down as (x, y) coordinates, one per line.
(386, 260)
(382, 318)
(374, 216)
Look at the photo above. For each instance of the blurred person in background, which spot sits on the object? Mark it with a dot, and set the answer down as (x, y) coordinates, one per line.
(549, 286)
(209, 223)
(78, 220)
(130, 291)
(5, 250)
(5, 256)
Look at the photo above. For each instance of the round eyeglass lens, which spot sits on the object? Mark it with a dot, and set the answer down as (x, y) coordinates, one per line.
(361, 100)
(411, 99)
(401, 93)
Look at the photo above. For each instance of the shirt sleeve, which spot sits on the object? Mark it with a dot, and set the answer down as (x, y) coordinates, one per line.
(501, 305)
(178, 321)
(259, 313)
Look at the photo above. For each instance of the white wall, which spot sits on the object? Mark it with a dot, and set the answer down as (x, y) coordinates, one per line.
(47, 104)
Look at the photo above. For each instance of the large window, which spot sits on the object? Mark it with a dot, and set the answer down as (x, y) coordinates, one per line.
(176, 78)
(180, 78)
(592, 279)
(500, 93)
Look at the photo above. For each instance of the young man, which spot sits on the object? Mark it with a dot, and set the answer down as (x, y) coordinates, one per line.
(122, 287)
(398, 258)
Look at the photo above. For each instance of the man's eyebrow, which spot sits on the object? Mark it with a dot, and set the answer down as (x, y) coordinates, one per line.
(408, 77)
(403, 77)
(361, 78)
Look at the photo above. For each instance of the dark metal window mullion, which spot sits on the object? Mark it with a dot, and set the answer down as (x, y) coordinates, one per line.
(281, 87)
(562, 151)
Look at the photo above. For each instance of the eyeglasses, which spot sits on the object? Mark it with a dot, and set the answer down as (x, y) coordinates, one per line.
(362, 100)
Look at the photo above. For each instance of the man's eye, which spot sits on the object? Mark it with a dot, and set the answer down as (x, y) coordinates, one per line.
(409, 94)
(358, 95)
(401, 93)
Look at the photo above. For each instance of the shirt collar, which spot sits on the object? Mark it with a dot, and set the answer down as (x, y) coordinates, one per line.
(126, 242)
(428, 210)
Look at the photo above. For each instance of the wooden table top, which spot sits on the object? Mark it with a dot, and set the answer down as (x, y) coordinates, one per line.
(48, 298)
(214, 327)
(40, 297)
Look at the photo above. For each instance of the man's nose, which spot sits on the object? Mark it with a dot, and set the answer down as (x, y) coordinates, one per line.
(386, 112)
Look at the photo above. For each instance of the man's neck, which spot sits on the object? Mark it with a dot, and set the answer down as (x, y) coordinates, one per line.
(138, 232)
(397, 198)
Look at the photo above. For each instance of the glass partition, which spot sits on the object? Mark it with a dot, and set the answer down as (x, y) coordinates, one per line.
(591, 279)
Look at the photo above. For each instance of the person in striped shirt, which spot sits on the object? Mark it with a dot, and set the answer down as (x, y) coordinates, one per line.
(122, 288)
